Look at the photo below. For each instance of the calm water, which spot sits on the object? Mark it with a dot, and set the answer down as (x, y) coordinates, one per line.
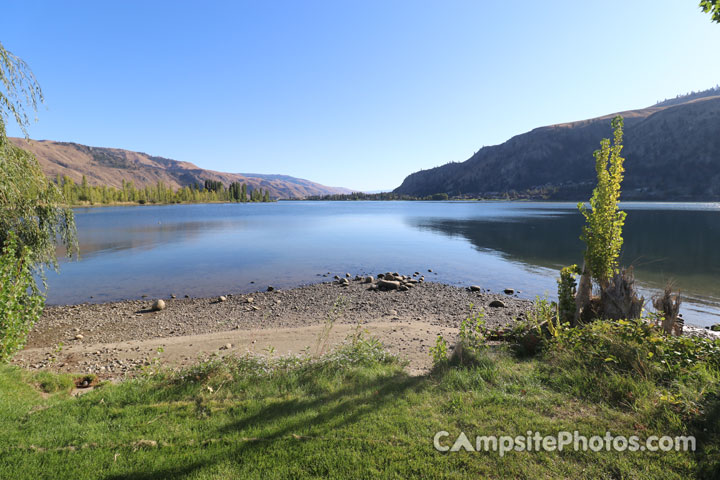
(205, 250)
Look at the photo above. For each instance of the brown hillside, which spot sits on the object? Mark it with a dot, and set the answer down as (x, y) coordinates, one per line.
(110, 166)
(672, 152)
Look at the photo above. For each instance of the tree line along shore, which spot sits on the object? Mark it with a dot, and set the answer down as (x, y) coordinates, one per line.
(211, 191)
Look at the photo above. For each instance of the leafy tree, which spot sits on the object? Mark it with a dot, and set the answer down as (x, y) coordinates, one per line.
(214, 185)
(19, 309)
(30, 205)
(31, 212)
(602, 233)
(712, 7)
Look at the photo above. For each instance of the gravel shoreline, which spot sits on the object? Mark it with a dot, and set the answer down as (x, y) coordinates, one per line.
(113, 339)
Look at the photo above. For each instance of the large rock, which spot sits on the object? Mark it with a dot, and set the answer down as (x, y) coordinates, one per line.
(475, 288)
(369, 279)
(497, 304)
(509, 291)
(388, 284)
(158, 305)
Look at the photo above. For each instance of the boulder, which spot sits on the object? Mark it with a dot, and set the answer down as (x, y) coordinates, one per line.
(388, 284)
(222, 298)
(715, 328)
(369, 279)
(497, 304)
(270, 288)
(509, 291)
(158, 305)
(249, 300)
(475, 288)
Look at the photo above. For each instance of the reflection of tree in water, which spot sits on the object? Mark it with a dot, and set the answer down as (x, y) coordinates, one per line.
(660, 244)
(145, 237)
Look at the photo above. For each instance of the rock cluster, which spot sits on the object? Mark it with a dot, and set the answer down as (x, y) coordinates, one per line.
(385, 281)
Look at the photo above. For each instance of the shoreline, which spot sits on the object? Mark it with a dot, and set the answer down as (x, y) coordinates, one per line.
(118, 339)
(115, 339)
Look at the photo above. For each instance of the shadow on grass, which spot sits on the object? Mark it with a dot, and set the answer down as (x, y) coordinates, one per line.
(290, 417)
(706, 429)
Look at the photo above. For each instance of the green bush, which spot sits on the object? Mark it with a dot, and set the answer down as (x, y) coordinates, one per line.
(567, 289)
(639, 347)
(439, 352)
(19, 308)
(632, 362)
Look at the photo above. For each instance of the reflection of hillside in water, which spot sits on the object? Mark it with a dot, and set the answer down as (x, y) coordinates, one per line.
(95, 241)
(661, 244)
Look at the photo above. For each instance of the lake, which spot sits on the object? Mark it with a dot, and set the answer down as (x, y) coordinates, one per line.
(206, 250)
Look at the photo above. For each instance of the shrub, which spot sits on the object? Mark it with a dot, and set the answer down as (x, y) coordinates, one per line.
(567, 289)
(630, 361)
(471, 344)
(470, 347)
(439, 352)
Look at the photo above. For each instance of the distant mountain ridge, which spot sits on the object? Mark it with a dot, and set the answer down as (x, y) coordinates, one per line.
(110, 166)
(672, 152)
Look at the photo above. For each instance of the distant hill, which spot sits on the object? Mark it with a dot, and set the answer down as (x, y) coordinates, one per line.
(110, 166)
(672, 152)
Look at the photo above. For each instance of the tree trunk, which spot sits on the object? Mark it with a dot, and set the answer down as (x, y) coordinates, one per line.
(584, 295)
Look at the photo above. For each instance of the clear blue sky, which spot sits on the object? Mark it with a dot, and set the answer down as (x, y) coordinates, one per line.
(346, 93)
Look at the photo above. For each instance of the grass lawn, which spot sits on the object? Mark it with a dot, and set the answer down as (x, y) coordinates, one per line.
(352, 414)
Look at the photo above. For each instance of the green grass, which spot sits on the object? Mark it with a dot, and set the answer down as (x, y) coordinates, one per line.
(353, 414)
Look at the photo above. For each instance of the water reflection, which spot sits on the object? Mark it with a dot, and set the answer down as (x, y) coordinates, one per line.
(662, 245)
(127, 252)
(101, 239)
